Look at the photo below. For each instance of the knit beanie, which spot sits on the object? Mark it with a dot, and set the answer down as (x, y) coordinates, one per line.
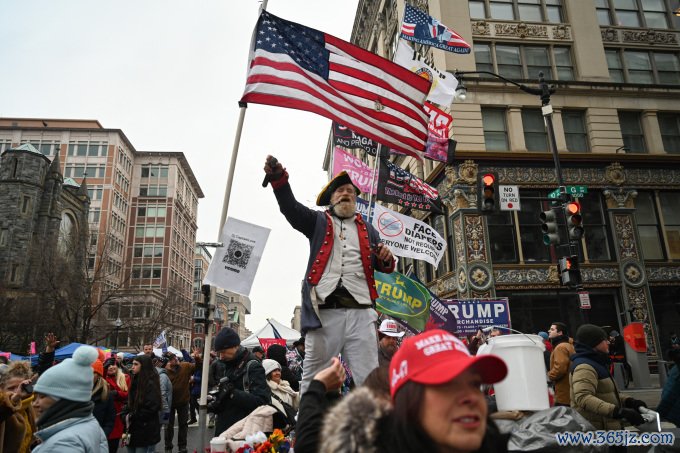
(226, 338)
(270, 365)
(98, 367)
(543, 335)
(590, 335)
(71, 379)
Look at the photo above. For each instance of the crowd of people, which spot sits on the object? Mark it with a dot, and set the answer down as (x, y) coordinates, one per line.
(351, 384)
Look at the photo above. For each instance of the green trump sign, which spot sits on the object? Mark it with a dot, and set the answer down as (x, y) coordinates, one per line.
(403, 298)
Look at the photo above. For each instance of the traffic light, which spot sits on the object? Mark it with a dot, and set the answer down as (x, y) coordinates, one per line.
(572, 212)
(549, 227)
(570, 274)
(487, 188)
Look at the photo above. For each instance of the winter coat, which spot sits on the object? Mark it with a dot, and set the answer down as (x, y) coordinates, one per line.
(12, 428)
(166, 394)
(28, 417)
(144, 425)
(120, 398)
(242, 401)
(361, 422)
(105, 413)
(669, 406)
(559, 368)
(196, 385)
(278, 353)
(593, 390)
(313, 406)
(317, 226)
(74, 435)
(180, 377)
(284, 391)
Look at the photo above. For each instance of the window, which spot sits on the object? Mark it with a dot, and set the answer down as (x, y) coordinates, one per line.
(649, 229)
(535, 136)
(525, 62)
(596, 232)
(632, 13)
(483, 57)
(502, 238)
(669, 123)
(495, 130)
(26, 205)
(153, 191)
(643, 66)
(154, 171)
(631, 131)
(16, 273)
(4, 237)
(614, 64)
(524, 10)
(575, 134)
(670, 210)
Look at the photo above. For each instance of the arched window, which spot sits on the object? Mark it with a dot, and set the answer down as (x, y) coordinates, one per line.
(67, 230)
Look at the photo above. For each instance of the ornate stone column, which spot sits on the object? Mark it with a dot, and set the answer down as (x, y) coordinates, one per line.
(473, 266)
(637, 299)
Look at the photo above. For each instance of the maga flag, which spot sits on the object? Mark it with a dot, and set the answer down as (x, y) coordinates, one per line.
(396, 185)
(345, 137)
(403, 298)
(425, 29)
(301, 68)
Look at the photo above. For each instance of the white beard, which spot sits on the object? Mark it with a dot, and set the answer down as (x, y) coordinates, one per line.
(345, 209)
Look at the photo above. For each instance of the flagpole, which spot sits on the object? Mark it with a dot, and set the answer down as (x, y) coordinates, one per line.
(376, 169)
(203, 401)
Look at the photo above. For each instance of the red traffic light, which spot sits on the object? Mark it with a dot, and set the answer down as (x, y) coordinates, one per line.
(572, 208)
(488, 179)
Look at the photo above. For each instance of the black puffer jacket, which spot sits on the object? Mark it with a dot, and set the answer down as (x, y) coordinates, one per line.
(145, 427)
(278, 353)
(242, 402)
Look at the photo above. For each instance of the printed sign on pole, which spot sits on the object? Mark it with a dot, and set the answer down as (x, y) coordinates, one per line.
(509, 198)
(234, 265)
(584, 300)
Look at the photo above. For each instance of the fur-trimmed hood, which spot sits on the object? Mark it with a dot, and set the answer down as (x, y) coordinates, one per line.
(352, 425)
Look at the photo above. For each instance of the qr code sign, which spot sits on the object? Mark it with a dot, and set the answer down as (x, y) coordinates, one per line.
(238, 254)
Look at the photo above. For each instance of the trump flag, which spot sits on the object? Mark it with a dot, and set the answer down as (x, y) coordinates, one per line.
(301, 68)
(425, 29)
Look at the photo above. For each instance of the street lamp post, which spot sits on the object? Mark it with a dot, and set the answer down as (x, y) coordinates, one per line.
(118, 324)
(543, 92)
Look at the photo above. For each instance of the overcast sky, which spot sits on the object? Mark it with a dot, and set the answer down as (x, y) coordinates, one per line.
(169, 74)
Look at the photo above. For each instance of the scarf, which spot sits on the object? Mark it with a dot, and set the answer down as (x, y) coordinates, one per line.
(598, 360)
(63, 410)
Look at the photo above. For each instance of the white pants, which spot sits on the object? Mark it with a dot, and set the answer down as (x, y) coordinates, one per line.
(350, 331)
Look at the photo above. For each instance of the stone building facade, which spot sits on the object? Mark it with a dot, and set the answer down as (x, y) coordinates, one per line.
(41, 215)
(616, 74)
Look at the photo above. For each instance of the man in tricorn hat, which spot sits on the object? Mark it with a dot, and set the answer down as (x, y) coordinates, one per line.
(339, 287)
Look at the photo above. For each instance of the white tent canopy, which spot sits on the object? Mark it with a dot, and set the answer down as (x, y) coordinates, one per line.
(290, 335)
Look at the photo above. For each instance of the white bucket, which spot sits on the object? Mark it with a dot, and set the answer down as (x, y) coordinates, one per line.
(218, 445)
(525, 388)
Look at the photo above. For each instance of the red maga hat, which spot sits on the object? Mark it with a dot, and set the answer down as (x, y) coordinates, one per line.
(435, 357)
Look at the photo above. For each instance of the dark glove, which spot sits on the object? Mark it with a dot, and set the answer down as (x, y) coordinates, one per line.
(631, 415)
(273, 168)
(632, 403)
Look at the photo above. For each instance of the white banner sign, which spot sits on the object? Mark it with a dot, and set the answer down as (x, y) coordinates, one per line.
(408, 237)
(234, 265)
(443, 83)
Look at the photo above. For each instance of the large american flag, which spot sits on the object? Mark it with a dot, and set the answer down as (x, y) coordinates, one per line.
(298, 67)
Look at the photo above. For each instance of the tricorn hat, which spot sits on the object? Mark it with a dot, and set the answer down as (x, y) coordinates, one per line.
(342, 178)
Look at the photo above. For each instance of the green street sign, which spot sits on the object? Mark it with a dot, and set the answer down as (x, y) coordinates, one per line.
(574, 191)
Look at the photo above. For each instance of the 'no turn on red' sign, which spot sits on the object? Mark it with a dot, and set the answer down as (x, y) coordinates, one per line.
(509, 198)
